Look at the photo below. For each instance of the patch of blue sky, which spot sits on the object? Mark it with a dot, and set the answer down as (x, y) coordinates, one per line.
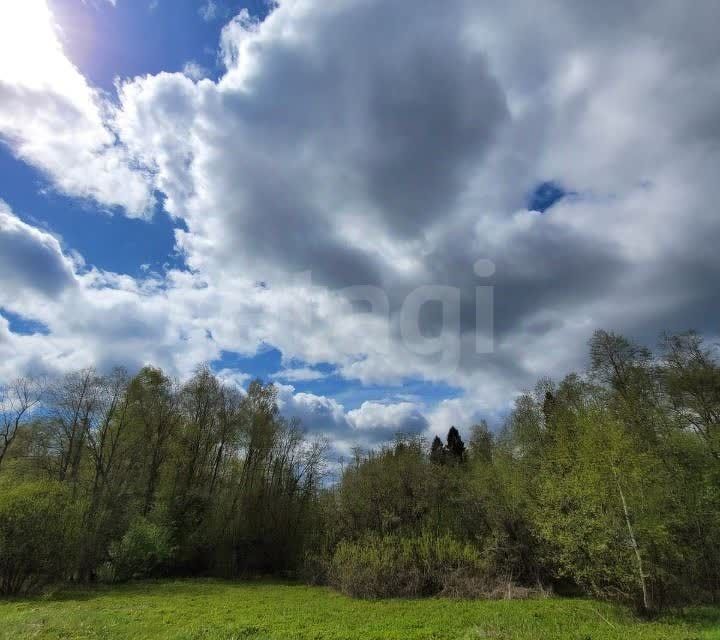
(138, 37)
(268, 362)
(351, 395)
(544, 195)
(261, 365)
(22, 325)
(107, 241)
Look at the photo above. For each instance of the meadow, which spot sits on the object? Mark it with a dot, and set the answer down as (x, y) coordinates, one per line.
(217, 610)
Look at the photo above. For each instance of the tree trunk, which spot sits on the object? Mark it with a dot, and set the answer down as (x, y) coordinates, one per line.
(633, 543)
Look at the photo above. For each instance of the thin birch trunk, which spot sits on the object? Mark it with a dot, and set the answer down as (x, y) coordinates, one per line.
(633, 542)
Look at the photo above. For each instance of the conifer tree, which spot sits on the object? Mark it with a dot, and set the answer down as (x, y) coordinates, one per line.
(455, 445)
(437, 451)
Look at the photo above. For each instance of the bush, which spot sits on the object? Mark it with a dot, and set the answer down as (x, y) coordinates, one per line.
(39, 528)
(396, 566)
(144, 551)
(315, 569)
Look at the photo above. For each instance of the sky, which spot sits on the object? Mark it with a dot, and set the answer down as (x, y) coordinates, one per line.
(402, 214)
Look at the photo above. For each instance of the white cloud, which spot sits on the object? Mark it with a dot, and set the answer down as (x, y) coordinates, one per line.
(194, 71)
(365, 427)
(234, 378)
(52, 118)
(93, 316)
(405, 417)
(318, 413)
(209, 10)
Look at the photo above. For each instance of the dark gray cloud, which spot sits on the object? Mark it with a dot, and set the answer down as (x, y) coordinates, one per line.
(376, 116)
(30, 260)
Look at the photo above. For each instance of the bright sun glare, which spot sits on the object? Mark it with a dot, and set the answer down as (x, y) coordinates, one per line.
(30, 50)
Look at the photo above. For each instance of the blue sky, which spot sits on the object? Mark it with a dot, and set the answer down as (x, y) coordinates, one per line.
(140, 37)
(159, 160)
(106, 240)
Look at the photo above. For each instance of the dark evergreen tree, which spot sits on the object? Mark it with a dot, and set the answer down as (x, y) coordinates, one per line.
(455, 445)
(437, 451)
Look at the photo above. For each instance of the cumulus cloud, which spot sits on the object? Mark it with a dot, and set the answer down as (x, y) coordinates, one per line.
(194, 71)
(367, 426)
(93, 317)
(30, 260)
(387, 418)
(52, 118)
(318, 413)
(361, 142)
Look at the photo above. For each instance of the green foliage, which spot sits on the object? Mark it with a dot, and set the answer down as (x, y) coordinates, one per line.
(605, 483)
(403, 566)
(39, 536)
(144, 551)
(579, 511)
(387, 490)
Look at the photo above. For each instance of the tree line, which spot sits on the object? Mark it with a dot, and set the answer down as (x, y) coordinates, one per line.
(606, 483)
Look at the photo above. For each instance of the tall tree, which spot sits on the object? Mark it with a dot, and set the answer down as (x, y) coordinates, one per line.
(692, 379)
(153, 399)
(17, 401)
(481, 442)
(455, 446)
(437, 451)
(73, 400)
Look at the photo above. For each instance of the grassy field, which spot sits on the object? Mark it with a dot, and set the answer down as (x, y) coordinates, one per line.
(211, 610)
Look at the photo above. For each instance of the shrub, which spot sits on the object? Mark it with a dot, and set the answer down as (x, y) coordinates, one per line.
(143, 551)
(393, 565)
(315, 568)
(39, 527)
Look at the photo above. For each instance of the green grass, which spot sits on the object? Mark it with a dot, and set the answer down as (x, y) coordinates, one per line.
(213, 610)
